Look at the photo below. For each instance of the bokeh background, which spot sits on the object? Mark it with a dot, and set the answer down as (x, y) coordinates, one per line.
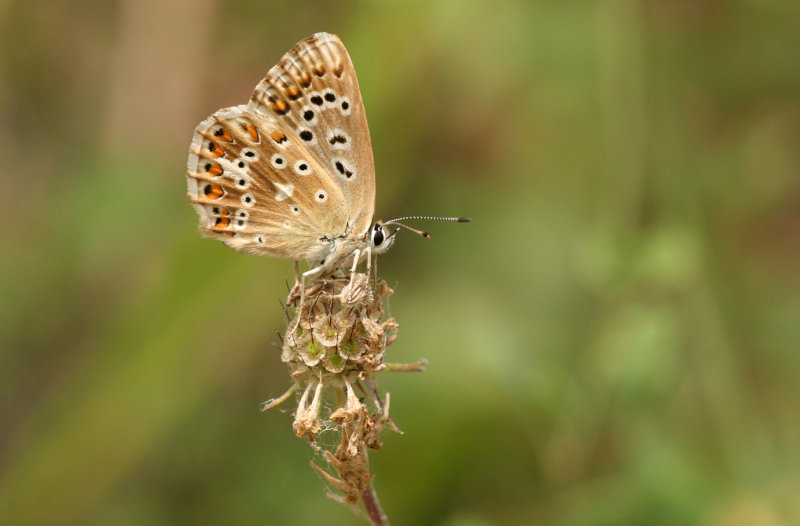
(613, 340)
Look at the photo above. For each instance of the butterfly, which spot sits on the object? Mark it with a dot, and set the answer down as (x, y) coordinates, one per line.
(290, 174)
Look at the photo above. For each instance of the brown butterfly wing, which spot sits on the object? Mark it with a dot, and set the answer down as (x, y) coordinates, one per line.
(314, 92)
(271, 178)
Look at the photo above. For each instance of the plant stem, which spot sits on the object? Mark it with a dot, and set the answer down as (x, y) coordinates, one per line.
(373, 507)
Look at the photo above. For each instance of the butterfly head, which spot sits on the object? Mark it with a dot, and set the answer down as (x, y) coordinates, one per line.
(380, 238)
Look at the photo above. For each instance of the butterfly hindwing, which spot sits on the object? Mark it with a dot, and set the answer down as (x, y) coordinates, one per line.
(249, 183)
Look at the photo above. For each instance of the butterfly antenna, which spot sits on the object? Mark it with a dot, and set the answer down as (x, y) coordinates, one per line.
(418, 232)
(431, 218)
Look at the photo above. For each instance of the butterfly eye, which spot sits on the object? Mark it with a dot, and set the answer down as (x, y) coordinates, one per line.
(301, 167)
(377, 235)
(278, 161)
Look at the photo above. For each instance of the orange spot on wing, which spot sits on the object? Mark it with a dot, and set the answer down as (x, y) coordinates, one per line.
(305, 80)
(277, 136)
(280, 107)
(215, 170)
(339, 70)
(213, 191)
(251, 129)
(223, 134)
(293, 93)
(319, 70)
(214, 150)
(224, 212)
(220, 225)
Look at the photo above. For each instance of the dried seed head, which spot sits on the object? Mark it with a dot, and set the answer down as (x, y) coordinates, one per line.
(337, 342)
(337, 327)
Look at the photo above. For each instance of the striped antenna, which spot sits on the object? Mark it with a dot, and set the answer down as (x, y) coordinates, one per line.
(430, 218)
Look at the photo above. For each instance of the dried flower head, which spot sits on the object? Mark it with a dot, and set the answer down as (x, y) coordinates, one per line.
(335, 345)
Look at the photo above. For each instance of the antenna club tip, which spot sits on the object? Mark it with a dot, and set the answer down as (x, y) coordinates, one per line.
(426, 235)
(464, 220)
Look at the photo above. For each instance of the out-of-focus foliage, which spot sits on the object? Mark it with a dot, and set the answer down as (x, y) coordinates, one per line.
(613, 340)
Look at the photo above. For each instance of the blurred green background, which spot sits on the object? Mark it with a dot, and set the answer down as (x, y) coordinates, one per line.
(613, 340)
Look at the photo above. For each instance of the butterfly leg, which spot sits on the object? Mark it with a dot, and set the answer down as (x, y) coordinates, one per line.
(296, 291)
(357, 289)
(356, 257)
(299, 282)
(368, 252)
(313, 271)
(347, 291)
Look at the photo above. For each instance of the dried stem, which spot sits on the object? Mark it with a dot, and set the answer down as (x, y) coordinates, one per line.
(407, 367)
(373, 507)
(279, 400)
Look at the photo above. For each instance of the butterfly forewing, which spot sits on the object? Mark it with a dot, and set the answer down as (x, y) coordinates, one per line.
(314, 93)
(294, 166)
